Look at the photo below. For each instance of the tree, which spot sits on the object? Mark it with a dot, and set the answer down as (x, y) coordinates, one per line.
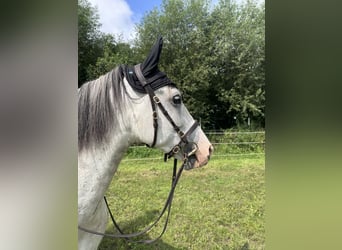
(239, 32)
(98, 53)
(90, 42)
(215, 56)
(115, 52)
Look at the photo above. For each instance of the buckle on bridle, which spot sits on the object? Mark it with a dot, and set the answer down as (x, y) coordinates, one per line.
(156, 99)
(181, 133)
(176, 149)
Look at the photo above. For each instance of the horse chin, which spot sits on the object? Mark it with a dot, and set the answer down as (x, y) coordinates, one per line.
(200, 160)
(194, 163)
(191, 162)
(198, 164)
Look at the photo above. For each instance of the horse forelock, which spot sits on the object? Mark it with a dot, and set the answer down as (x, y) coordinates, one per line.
(98, 111)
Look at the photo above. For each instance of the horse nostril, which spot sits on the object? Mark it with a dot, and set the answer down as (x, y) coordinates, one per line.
(211, 149)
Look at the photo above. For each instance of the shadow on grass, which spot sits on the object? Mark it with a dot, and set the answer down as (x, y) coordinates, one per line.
(132, 226)
(245, 246)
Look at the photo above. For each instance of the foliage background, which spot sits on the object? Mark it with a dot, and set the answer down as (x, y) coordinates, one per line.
(216, 56)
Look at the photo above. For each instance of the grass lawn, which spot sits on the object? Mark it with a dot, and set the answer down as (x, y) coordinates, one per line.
(220, 206)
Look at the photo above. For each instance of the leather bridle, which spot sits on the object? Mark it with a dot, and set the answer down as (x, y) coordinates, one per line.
(185, 147)
(155, 101)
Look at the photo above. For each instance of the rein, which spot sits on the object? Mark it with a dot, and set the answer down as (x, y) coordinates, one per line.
(167, 207)
(188, 156)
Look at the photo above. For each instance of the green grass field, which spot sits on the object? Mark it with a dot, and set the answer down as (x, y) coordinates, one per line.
(220, 206)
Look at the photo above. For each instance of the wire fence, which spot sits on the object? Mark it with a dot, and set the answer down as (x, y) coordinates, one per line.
(226, 144)
(233, 132)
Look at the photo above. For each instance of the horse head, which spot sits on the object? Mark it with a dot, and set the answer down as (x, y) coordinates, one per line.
(161, 119)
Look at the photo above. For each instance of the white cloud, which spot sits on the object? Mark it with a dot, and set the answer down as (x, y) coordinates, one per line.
(115, 17)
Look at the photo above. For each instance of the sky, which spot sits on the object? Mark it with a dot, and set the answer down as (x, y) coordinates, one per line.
(120, 16)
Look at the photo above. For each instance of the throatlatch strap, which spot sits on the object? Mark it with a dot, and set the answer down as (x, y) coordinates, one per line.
(154, 114)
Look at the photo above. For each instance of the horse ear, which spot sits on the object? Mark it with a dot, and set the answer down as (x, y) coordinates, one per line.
(150, 65)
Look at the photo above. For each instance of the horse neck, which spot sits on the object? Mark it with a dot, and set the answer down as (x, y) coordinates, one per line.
(98, 164)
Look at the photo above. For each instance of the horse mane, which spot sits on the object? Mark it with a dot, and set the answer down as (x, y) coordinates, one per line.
(98, 111)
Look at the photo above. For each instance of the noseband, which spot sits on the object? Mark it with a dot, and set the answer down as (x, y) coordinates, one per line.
(184, 142)
(187, 148)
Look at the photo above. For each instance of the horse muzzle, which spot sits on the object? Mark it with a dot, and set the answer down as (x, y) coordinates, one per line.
(202, 156)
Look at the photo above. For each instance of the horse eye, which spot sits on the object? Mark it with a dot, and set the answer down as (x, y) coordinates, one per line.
(177, 99)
